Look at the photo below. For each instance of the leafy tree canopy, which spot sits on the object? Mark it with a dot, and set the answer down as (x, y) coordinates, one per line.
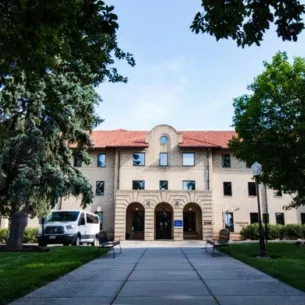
(65, 35)
(52, 54)
(246, 21)
(270, 123)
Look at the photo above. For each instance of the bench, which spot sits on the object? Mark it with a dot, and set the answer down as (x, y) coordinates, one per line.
(223, 240)
(104, 243)
(300, 243)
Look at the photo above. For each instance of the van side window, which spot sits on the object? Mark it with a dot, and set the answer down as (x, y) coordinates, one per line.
(95, 219)
(82, 220)
(89, 218)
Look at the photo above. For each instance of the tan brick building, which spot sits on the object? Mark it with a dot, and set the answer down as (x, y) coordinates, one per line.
(165, 184)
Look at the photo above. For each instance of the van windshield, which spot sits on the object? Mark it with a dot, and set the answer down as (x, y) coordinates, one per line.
(63, 216)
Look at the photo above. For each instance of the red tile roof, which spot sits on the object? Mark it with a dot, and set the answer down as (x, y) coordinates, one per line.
(118, 138)
(206, 138)
(126, 138)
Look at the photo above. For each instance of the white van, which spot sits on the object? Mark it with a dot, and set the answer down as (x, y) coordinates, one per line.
(69, 227)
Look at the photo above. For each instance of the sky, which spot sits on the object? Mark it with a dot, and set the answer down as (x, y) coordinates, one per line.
(181, 79)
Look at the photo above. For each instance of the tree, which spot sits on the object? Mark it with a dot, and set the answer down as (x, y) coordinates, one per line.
(65, 35)
(246, 21)
(270, 123)
(52, 54)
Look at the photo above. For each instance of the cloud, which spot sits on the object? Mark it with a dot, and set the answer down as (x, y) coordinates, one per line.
(156, 103)
(219, 106)
(167, 68)
(153, 99)
(175, 64)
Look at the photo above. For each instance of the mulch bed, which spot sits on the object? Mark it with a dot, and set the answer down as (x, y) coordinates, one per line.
(26, 248)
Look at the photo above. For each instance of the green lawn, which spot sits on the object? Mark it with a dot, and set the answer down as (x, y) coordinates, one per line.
(286, 263)
(21, 273)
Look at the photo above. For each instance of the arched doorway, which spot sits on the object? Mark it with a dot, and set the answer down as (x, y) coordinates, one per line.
(135, 215)
(163, 221)
(192, 221)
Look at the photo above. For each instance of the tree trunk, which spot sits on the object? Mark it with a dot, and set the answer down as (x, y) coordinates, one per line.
(17, 227)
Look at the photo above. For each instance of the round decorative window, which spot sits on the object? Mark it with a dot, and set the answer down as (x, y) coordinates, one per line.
(163, 140)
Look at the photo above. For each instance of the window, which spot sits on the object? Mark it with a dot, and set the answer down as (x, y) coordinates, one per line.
(91, 218)
(278, 193)
(163, 159)
(189, 185)
(279, 218)
(229, 222)
(226, 160)
(303, 218)
(253, 218)
(59, 216)
(77, 162)
(138, 159)
(265, 218)
(251, 188)
(82, 221)
(163, 185)
(227, 188)
(138, 185)
(101, 160)
(163, 140)
(99, 191)
(188, 159)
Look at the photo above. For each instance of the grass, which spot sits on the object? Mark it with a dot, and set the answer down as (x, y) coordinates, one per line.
(21, 273)
(286, 263)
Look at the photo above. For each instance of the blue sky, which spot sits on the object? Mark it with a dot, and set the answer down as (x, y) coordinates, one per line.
(180, 78)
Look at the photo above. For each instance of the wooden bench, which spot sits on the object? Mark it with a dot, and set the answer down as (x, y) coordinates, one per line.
(104, 243)
(223, 240)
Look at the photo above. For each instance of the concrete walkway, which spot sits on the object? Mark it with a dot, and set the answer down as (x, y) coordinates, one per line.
(165, 275)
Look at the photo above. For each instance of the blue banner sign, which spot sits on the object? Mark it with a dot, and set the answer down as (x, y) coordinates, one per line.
(178, 223)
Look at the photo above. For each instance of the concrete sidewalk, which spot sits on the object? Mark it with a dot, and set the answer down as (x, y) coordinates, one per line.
(165, 275)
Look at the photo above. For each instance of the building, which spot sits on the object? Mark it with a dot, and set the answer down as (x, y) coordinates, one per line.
(165, 184)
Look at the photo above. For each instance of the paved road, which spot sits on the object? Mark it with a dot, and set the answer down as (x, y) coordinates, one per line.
(159, 276)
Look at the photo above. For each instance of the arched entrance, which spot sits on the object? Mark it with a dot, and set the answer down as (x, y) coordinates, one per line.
(192, 221)
(135, 215)
(163, 221)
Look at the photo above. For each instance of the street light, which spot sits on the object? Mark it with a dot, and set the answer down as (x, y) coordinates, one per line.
(257, 171)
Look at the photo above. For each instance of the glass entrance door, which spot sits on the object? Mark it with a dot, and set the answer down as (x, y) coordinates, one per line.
(189, 221)
(163, 225)
(137, 225)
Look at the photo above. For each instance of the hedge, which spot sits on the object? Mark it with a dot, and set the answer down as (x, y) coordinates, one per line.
(29, 236)
(274, 231)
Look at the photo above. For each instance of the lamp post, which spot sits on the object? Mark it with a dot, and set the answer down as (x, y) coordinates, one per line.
(257, 171)
(267, 215)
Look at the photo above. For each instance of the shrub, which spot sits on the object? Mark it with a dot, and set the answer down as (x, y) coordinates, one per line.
(29, 236)
(282, 232)
(250, 232)
(292, 231)
(3, 235)
(274, 231)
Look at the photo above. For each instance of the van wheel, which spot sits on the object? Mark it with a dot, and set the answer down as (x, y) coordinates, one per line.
(66, 244)
(77, 241)
(42, 244)
(95, 242)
